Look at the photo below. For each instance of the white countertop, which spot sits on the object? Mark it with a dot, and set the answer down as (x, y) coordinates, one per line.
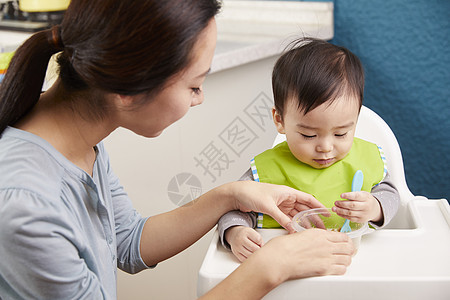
(252, 30)
(10, 40)
(247, 30)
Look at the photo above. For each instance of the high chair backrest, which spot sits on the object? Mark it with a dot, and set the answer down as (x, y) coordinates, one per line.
(371, 127)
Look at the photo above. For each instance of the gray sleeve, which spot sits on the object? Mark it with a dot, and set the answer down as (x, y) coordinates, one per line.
(389, 198)
(236, 217)
(247, 175)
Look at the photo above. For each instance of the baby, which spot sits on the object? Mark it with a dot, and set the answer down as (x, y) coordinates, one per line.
(318, 92)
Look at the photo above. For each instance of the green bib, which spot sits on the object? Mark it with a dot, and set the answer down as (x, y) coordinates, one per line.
(279, 166)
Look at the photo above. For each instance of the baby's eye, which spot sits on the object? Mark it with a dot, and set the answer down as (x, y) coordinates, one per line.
(341, 135)
(307, 136)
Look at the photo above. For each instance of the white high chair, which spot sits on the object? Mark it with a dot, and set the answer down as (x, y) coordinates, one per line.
(408, 259)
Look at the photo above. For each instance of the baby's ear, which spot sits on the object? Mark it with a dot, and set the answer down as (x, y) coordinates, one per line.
(278, 121)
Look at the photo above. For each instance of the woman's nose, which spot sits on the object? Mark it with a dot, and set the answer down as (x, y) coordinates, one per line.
(197, 101)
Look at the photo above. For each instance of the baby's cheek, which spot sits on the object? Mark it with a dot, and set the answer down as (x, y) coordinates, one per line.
(344, 150)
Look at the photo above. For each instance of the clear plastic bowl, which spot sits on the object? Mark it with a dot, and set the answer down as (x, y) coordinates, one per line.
(325, 218)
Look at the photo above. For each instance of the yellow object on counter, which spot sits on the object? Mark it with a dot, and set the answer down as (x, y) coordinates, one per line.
(5, 58)
(43, 5)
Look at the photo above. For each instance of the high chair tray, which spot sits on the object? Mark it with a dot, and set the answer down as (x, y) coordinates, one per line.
(408, 262)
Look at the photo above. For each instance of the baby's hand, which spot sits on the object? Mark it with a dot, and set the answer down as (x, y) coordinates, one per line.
(359, 207)
(243, 241)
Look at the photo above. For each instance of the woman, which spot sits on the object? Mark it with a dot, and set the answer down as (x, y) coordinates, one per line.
(66, 221)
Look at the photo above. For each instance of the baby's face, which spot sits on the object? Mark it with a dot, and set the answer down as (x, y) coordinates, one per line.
(324, 135)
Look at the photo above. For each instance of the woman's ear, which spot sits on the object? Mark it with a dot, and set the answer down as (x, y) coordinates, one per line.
(278, 121)
(124, 100)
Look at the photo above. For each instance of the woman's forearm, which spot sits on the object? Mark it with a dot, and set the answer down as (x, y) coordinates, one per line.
(169, 233)
(251, 280)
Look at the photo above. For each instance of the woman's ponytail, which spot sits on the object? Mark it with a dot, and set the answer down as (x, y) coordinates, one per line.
(22, 84)
(104, 52)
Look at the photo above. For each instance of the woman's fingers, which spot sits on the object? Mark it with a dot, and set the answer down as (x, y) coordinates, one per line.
(288, 202)
(337, 269)
(314, 252)
(306, 201)
(336, 237)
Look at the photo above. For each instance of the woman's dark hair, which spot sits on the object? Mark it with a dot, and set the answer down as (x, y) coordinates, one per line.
(313, 72)
(108, 46)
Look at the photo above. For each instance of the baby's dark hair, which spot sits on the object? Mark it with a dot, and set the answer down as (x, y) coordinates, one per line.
(313, 72)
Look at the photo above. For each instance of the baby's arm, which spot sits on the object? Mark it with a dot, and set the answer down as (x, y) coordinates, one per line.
(377, 207)
(243, 241)
(236, 231)
(232, 219)
(237, 234)
(388, 198)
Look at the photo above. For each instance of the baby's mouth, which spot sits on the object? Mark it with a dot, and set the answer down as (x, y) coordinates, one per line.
(326, 161)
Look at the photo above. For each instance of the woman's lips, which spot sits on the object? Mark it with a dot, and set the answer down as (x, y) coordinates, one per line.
(324, 161)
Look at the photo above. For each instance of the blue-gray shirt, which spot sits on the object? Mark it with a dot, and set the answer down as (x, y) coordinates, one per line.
(62, 232)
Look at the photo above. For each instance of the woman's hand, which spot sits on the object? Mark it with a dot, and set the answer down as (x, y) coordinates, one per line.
(359, 207)
(313, 252)
(279, 201)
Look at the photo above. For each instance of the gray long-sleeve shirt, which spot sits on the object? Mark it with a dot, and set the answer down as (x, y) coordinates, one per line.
(63, 232)
(385, 193)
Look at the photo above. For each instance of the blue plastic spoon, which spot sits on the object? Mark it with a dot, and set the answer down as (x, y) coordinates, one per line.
(357, 183)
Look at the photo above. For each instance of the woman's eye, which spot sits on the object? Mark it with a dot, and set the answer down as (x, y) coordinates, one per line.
(197, 91)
